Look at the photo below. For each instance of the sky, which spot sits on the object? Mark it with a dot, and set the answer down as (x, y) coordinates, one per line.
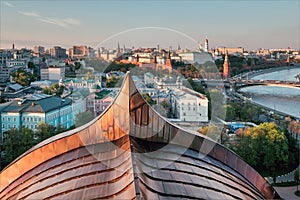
(237, 23)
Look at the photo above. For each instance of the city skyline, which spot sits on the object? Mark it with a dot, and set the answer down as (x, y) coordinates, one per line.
(249, 24)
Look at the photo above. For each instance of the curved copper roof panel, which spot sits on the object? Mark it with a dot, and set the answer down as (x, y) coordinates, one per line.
(131, 152)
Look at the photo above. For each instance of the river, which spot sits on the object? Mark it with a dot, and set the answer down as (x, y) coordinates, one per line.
(283, 99)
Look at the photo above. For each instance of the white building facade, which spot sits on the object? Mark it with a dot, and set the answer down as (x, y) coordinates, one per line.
(189, 106)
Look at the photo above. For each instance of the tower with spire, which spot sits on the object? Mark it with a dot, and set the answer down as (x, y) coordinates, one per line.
(226, 67)
(169, 63)
(288, 60)
(206, 47)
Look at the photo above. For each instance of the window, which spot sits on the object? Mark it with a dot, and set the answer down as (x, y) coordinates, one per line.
(15, 119)
(3, 119)
(15, 126)
(183, 114)
(199, 104)
(3, 126)
(8, 119)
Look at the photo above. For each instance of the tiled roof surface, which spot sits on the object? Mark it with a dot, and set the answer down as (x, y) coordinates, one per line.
(130, 152)
(40, 105)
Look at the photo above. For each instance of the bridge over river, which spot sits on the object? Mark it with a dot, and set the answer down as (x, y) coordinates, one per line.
(247, 83)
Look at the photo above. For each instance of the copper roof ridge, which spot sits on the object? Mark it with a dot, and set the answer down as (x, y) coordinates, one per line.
(130, 98)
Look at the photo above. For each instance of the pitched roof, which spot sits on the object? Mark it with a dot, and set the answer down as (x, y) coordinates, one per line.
(37, 103)
(130, 152)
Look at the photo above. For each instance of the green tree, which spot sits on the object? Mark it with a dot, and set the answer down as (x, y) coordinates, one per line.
(265, 147)
(55, 88)
(112, 82)
(16, 142)
(118, 66)
(231, 114)
(83, 118)
(44, 131)
(149, 99)
(22, 77)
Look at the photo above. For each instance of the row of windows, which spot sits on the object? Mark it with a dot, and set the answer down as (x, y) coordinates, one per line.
(25, 119)
(8, 126)
(56, 117)
(65, 112)
(8, 119)
(189, 108)
(32, 119)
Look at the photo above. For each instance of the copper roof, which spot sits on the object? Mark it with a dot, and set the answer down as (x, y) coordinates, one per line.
(131, 152)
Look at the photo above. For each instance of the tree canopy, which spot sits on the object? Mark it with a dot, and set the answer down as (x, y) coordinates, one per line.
(54, 89)
(22, 77)
(265, 147)
(18, 141)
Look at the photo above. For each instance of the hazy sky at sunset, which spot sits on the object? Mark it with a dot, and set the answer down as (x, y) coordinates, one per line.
(250, 24)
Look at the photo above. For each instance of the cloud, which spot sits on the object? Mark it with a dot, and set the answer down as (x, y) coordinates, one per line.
(8, 4)
(31, 14)
(71, 21)
(46, 21)
(65, 23)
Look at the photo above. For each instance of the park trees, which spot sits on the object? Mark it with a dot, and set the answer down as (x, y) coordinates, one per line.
(18, 141)
(265, 147)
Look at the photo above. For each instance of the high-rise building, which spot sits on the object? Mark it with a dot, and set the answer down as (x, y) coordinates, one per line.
(39, 49)
(226, 67)
(79, 52)
(58, 52)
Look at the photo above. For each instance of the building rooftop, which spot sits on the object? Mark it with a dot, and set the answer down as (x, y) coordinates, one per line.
(131, 152)
(36, 103)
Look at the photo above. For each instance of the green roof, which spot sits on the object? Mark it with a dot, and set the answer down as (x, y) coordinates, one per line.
(41, 106)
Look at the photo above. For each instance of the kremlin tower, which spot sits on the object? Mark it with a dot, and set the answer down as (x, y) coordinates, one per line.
(226, 67)
(169, 63)
(288, 61)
